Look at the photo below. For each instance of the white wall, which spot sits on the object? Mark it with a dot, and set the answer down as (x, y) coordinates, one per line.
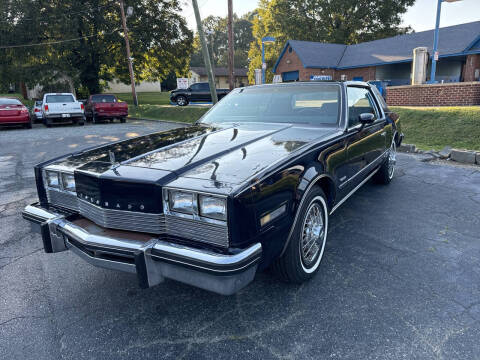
(116, 86)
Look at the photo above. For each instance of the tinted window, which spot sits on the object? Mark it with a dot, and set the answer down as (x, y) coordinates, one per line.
(204, 87)
(59, 99)
(359, 102)
(38, 103)
(308, 104)
(103, 99)
(5, 101)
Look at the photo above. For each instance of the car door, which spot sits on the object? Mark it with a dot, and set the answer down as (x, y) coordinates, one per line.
(204, 93)
(195, 92)
(366, 144)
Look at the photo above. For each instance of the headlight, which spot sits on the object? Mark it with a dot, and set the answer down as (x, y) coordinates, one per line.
(52, 179)
(181, 201)
(68, 181)
(213, 207)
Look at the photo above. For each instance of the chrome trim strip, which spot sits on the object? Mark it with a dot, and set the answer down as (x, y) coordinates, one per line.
(353, 191)
(100, 262)
(207, 257)
(365, 169)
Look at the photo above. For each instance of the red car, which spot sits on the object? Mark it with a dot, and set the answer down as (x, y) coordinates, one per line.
(13, 112)
(105, 107)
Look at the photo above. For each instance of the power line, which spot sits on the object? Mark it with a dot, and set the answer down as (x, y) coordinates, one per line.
(58, 41)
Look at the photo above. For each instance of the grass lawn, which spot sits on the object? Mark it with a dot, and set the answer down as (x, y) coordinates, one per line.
(187, 114)
(434, 128)
(144, 98)
(28, 103)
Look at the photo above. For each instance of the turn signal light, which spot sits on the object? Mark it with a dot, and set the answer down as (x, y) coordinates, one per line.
(82, 106)
(46, 107)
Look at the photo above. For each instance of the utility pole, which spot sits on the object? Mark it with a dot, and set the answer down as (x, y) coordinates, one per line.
(206, 56)
(129, 57)
(231, 79)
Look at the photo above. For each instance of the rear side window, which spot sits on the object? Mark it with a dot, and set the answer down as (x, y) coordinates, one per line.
(59, 99)
(380, 99)
(103, 99)
(360, 101)
(10, 102)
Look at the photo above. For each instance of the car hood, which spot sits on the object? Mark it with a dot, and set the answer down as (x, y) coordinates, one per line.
(227, 154)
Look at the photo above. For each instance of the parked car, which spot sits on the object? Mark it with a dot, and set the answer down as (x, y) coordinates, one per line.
(62, 108)
(105, 107)
(37, 114)
(13, 112)
(198, 92)
(251, 185)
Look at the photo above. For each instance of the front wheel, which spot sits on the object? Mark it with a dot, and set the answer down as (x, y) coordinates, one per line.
(181, 100)
(385, 174)
(304, 253)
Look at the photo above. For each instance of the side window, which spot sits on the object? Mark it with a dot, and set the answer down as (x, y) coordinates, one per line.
(204, 87)
(359, 101)
(195, 87)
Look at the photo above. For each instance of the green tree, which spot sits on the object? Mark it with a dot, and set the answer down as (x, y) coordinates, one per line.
(159, 38)
(216, 33)
(339, 21)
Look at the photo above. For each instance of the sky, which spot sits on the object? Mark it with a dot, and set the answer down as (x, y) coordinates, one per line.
(420, 16)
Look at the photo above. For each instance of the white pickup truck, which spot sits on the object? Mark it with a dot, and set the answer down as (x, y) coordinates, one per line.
(62, 108)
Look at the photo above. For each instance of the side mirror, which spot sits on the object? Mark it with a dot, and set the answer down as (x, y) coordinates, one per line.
(366, 118)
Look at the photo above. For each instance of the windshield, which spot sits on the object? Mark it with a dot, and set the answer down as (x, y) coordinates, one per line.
(59, 99)
(311, 104)
(6, 101)
(103, 98)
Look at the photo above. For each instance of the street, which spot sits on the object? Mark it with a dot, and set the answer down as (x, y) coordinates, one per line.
(400, 277)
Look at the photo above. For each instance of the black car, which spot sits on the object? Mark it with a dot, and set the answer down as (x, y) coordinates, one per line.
(198, 92)
(250, 185)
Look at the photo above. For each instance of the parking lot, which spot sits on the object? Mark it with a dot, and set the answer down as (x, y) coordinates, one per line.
(400, 278)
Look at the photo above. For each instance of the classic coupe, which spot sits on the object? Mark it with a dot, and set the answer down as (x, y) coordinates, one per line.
(251, 185)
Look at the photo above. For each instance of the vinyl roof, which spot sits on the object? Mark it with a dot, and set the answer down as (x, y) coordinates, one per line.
(453, 41)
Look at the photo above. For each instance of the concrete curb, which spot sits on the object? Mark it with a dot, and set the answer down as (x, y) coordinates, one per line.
(447, 153)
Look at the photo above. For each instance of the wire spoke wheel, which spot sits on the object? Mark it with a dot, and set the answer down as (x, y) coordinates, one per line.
(312, 235)
(392, 160)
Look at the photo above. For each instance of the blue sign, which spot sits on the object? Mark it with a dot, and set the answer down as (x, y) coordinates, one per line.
(320, 77)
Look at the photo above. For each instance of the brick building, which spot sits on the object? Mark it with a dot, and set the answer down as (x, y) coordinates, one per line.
(387, 60)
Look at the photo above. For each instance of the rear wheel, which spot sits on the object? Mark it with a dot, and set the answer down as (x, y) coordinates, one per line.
(123, 120)
(385, 174)
(47, 122)
(181, 100)
(304, 253)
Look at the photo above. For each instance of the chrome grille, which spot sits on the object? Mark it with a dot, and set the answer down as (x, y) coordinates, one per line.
(63, 199)
(123, 220)
(197, 230)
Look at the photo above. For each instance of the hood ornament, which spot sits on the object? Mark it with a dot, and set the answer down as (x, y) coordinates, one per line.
(112, 157)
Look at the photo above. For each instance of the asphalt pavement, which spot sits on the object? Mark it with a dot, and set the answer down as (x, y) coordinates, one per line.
(400, 278)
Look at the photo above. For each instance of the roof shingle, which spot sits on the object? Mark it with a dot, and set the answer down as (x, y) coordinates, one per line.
(453, 40)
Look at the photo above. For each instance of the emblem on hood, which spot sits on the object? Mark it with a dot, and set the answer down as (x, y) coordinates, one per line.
(112, 157)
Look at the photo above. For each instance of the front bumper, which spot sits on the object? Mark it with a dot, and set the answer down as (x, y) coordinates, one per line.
(152, 258)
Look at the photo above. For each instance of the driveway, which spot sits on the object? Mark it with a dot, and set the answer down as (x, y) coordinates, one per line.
(400, 278)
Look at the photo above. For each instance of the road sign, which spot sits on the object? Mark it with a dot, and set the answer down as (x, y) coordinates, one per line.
(182, 83)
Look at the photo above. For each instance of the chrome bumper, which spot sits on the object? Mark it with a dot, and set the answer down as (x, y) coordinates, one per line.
(151, 258)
